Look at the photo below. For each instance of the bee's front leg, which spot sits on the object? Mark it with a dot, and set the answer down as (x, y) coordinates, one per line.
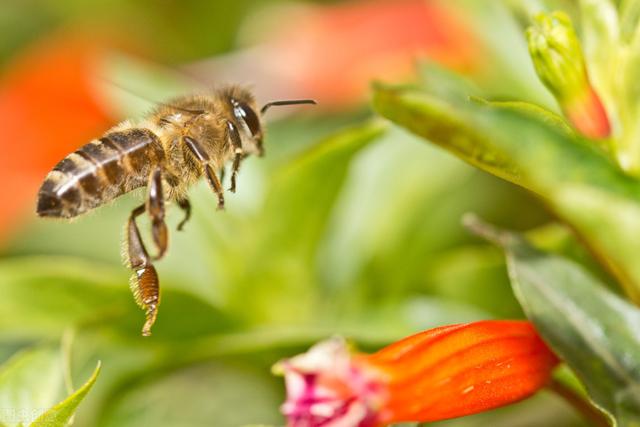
(144, 284)
(196, 149)
(236, 142)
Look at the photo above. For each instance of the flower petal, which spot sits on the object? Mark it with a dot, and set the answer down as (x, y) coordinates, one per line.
(462, 369)
(441, 373)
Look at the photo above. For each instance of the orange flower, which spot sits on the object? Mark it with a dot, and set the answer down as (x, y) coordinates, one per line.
(587, 113)
(441, 373)
(49, 107)
(333, 52)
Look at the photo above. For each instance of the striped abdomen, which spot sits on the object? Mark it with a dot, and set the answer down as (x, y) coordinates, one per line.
(99, 172)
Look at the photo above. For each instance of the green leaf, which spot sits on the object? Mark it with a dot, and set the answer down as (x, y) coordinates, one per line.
(623, 90)
(221, 394)
(629, 11)
(302, 194)
(29, 383)
(591, 328)
(627, 404)
(395, 211)
(60, 414)
(42, 296)
(543, 158)
(441, 124)
(293, 220)
(134, 86)
(600, 35)
(474, 275)
(610, 222)
(527, 108)
(511, 143)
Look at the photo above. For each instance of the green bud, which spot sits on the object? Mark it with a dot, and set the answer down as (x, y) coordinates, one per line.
(559, 62)
(557, 56)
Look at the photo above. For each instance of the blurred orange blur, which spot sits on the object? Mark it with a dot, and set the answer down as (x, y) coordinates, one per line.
(333, 52)
(48, 107)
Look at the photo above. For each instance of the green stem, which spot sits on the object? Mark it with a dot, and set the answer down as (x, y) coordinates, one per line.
(579, 403)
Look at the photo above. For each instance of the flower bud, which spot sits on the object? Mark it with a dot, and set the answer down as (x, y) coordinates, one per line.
(441, 373)
(559, 62)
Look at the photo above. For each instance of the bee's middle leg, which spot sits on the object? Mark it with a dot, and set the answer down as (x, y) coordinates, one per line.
(215, 184)
(156, 209)
(185, 205)
(222, 174)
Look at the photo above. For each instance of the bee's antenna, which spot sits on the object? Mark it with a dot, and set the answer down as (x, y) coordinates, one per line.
(289, 102)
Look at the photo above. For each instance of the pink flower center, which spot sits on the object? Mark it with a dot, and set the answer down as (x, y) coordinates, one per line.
(326, 387)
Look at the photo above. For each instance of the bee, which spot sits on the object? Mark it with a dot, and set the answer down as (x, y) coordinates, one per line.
(174, 146)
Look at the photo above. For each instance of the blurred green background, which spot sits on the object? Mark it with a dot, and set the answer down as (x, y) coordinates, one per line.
(348, 226)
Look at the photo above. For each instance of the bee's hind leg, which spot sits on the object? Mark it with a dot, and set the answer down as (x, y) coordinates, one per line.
(144, 283)
(156, 209)
(186, 207)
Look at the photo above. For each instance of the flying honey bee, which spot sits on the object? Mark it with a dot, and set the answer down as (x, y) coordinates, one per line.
(168, 151)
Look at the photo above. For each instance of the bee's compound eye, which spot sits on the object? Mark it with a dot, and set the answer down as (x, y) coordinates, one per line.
(246, 114)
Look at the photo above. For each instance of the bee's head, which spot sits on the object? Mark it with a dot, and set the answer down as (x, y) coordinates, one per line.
(248, 119)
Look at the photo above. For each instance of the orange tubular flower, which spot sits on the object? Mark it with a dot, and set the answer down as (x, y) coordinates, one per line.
(442, 373)
(588, 115)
